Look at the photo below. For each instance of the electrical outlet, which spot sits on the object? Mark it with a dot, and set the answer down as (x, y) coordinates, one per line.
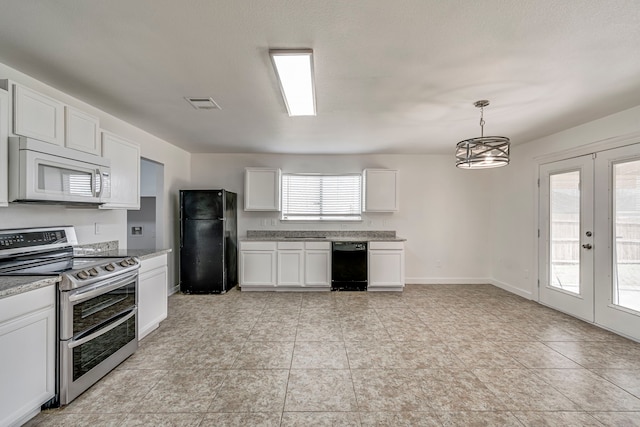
(96, 228)
(273, 221)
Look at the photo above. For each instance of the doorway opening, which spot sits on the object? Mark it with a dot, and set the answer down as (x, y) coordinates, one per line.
(145, 227)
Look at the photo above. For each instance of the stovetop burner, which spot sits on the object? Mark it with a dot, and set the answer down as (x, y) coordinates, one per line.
(49, 251)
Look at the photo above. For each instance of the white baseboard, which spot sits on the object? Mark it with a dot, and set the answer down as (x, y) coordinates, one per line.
(446, 281)
(507, 287)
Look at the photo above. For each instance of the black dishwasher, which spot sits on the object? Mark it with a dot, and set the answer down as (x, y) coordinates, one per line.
(349, 266)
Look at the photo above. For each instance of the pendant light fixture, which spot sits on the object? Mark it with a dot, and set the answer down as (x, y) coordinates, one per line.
(482, 152)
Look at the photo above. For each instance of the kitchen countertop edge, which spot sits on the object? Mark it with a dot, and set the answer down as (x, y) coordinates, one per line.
(322, 239)
(15, 285)
(141, 254)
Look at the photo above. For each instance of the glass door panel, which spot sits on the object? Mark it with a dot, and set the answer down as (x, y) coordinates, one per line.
(626, 251)
(566, 230)
(564, 189)
(617, 268)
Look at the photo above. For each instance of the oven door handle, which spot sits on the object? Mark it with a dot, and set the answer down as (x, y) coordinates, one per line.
(102, 331)
(80, 295)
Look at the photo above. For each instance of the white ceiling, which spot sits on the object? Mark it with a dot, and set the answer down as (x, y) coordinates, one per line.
(391, 76)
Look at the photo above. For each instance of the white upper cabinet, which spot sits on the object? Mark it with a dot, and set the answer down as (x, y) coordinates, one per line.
(380, 190)
(37, 116)
(4, 134)
(82, 131)
(262, 189)
(125, 171)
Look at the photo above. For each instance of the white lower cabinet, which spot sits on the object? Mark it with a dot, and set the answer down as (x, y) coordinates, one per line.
(257, 265)
(152, 294)
(386, 266)
(27, 354)
(285, 266)
(317, 264)
(290, 264)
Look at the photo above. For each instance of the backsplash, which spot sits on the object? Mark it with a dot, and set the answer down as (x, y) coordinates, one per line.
(91, 248)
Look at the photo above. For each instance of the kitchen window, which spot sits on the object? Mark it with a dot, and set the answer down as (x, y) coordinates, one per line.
(319, 197)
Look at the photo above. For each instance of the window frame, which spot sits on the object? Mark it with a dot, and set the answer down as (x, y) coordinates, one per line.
(314, 217)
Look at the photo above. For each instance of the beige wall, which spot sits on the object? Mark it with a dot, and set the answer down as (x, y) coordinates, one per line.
(513, 199)
(443, 210)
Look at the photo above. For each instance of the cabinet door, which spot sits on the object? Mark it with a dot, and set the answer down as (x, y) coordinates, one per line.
(290, 268)
(317, 270)
(125, 172)
(262, 189)
(4, 161)
(28, 343)
(380, 190)
(386, 268)
(37, 116)
(82, 131)
(257, 268)
(152, 298)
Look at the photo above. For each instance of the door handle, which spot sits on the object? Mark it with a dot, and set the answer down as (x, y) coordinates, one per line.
(99, 178)
(587, 246)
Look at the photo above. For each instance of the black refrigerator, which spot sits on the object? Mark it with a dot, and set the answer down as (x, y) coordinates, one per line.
(208, 241)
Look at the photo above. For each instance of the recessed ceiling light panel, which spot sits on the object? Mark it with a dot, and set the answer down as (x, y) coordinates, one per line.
(203, 103)
(294, 69)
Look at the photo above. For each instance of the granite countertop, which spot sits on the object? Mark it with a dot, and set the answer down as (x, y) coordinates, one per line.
(14, 285)
(354, 238)
(321, 236)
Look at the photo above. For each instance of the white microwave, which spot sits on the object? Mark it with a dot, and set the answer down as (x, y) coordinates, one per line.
(47, 173)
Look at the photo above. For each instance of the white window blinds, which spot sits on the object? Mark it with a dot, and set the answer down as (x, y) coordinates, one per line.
(312, 197)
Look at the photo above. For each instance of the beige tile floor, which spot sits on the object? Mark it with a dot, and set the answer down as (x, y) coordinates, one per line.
(433, 355)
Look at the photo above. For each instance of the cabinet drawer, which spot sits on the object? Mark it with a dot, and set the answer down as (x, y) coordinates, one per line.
(27, 302)
(318, 245)
(151, 263)
(258, 246)
(386, 245)
(291, 245)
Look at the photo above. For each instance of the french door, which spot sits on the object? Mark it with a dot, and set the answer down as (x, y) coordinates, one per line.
(590, 238)
(566, 236)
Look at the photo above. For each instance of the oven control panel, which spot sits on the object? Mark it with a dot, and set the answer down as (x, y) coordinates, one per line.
(29, 239)
(15, 241)
(105, 267)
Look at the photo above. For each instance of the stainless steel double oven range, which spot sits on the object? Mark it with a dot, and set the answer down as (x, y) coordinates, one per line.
(97, 325)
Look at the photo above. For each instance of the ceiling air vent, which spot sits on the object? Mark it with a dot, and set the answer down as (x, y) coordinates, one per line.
(203, 103)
